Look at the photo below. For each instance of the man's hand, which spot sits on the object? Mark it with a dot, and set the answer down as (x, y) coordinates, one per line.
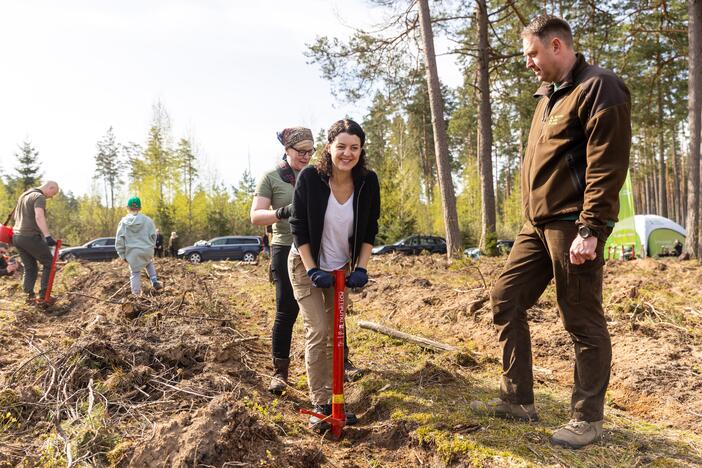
(50, 241)
(11, 268)
(582, 250)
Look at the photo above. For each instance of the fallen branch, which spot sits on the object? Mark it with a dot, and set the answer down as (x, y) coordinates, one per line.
(418, 340)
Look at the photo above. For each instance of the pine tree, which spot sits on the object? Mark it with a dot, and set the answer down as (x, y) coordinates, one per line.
(109, 166)
(28, 169)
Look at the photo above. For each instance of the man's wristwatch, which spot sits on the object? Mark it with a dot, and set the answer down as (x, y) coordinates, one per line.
(584, 232)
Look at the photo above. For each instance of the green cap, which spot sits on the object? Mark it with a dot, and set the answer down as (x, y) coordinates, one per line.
(134, 203)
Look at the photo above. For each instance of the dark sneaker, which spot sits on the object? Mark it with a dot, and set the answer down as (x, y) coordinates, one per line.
(319, 425)
(577, 434)
(505, 410)
(157, 286)
(31, 299)
(322, 426)
(351, 372)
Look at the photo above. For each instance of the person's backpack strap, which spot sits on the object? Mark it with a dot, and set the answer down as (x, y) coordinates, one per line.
(286, 173)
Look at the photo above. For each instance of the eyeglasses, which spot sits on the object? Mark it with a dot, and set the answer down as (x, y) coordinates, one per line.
(304, 153)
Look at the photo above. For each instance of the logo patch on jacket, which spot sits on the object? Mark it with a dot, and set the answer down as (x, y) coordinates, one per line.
(555, 119)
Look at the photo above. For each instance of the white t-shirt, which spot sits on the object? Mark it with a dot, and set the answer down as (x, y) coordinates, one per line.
(338, 229)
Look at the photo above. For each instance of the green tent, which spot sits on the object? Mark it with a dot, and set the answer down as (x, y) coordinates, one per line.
(624, 240)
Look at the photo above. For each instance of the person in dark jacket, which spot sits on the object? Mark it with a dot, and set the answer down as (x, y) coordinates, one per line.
(573, 169)
(173, 244)
(158, 248)
(336, 206)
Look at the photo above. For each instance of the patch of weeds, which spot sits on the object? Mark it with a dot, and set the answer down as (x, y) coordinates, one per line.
(51, 455)
(91, 433)
(118, 453)
(8, 422)
(452, 447)
(268, 411)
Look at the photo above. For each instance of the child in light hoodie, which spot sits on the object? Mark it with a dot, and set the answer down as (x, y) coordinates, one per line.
(136, 239)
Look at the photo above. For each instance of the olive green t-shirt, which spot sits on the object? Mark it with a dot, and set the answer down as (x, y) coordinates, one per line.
(280, 193)
(25, 220)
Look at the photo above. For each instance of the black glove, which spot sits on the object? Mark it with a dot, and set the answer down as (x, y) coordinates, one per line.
(320, 278)
(358, 278)
(50, 241)
(284, 212)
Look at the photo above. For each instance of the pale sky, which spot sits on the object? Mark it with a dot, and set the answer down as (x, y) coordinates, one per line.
(229, 73)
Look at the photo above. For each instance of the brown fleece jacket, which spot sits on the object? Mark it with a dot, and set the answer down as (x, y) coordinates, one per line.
(578, 151)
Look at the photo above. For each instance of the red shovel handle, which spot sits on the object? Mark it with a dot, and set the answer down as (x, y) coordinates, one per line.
(337, 420)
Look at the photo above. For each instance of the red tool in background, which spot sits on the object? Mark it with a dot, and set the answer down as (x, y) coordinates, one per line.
(337, 420)
(47, 299)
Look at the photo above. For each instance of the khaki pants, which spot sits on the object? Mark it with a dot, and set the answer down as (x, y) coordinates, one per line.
(317, 307)
(539, 254)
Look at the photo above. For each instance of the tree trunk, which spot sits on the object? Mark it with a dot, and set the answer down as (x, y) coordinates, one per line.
(677, 208)
(662, 182)
(485, 127)
(448, 195)
(694, 94)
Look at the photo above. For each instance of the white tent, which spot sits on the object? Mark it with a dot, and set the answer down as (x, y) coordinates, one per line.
(647, 224)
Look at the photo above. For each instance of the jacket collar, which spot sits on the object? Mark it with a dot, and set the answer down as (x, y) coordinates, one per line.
(546, 89)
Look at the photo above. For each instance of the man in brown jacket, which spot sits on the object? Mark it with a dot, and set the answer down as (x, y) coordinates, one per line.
(573, 168)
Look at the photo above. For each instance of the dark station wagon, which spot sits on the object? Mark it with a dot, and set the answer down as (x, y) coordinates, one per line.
(101, 249)
(414, 245)
(245, 248)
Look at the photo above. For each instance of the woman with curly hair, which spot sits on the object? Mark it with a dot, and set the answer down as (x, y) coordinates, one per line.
(336, 206)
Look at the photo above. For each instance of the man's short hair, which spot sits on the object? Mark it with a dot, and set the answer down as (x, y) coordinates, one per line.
(546, 26)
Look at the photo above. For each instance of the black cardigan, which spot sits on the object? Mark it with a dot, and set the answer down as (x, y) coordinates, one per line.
(310, 204)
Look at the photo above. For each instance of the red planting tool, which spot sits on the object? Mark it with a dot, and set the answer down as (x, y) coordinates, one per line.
(337, 420)
(47, 299)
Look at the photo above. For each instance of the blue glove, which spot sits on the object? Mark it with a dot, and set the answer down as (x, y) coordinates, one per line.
(50, 241)
(358, 278)
(320, 278)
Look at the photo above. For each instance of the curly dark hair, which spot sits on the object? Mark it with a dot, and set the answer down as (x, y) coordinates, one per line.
(324, 164)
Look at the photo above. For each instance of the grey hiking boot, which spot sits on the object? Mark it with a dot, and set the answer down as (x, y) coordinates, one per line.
(577, 434)
(157, 286)
(505, 410)
(280, 376)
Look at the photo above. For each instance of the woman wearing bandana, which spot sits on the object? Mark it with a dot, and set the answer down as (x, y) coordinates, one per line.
(272, 205)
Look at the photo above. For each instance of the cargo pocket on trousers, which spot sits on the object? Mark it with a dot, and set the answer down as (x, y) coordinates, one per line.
(585, 280)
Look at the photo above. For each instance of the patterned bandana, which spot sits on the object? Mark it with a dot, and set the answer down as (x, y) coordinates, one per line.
(292, 136)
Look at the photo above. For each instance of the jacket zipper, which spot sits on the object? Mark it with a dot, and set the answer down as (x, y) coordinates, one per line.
(546, 113)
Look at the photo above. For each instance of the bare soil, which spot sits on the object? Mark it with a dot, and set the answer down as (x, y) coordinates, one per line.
(179, 377)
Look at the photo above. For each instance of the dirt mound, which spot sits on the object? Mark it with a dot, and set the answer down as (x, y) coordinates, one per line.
(179, 377)
(223, 431)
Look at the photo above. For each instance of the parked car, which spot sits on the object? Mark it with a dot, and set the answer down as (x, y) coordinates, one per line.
(102, 248)
(414, 245)
(244, 248)
(504, 246)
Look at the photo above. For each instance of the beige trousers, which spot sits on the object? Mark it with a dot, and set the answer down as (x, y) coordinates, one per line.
(317, 307)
